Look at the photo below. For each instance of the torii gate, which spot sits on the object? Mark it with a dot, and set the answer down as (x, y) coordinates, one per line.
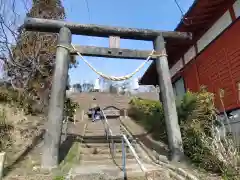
(65, 30)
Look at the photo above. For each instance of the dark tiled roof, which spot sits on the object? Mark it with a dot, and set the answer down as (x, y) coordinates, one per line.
(199, 18)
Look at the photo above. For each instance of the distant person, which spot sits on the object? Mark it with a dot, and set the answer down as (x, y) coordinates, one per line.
(96, 111)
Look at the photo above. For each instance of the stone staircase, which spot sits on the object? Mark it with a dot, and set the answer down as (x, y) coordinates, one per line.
(106, 99)
(98, 159)
(103, 99)
(97, 162)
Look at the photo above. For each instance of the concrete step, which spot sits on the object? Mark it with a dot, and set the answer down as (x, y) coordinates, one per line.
(97, 122)
(92, 140)
(95, 130)
(110, 122)
(100, 133)
(102, 139)
(93, 145)
(77, 129)
(112, 171)
(103, 145)
(95, 126)
(115, 161)
(96, 133)
(100, 150)
(131, 175)
(115, 131)
(99, 157)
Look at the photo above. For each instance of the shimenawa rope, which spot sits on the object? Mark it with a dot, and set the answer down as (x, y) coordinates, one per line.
(113, 78)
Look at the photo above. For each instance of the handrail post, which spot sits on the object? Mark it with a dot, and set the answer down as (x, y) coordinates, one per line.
(104, 124)
(134, 153)
(112, 144)
(107, 132)
(124, 160)
(124, 140)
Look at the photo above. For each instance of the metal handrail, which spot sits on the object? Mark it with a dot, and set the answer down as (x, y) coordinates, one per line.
(124, 140)
(107, 132)
(106, 122)
(134, 153)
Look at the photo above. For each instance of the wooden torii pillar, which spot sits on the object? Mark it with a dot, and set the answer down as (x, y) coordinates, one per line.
(65, 29)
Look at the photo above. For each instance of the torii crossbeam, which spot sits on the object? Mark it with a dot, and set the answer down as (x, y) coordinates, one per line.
(65, 30)
(54, 26)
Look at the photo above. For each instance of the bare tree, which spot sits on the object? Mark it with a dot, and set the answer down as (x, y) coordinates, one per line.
(29, 56)
(11, 15)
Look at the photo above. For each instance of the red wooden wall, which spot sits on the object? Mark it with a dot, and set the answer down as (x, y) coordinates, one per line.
(218, 66)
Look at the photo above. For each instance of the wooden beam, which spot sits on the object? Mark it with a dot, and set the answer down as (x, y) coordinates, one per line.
(112, 52)
(49, 25)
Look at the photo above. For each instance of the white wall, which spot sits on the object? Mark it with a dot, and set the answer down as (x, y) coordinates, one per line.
(176, 67)
(190, 54)
(220, 25)
(236, 8)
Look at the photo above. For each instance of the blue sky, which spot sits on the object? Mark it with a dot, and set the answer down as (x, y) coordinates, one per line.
(151, 14)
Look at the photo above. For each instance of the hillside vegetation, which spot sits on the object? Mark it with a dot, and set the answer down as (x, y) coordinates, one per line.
(198, 122)
(21, 124)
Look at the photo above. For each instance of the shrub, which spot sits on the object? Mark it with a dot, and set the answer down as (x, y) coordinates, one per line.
(17, 99)
(5, 131)
(197, 119)
(150, 115)
(59, 178)
(26, 102)
(186, 106)
(70, 108)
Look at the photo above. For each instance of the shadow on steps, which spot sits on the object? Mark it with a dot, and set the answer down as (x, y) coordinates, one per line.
(95, 139)
(65, 147)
